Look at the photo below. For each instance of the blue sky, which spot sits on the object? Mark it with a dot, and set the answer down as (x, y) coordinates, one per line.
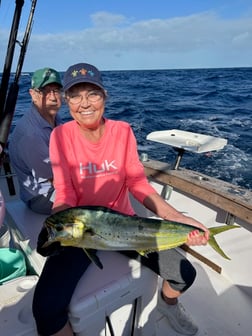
(134, 34)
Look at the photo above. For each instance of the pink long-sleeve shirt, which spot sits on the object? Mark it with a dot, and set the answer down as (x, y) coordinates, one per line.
(99, 173)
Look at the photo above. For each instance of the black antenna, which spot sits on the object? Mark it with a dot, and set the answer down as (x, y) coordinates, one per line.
(6, 114)
(10, 54)
(8, 98)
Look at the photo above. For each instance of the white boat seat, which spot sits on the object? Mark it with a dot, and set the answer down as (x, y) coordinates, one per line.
(109, 295)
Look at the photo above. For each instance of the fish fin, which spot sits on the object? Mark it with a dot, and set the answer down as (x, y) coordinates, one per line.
(93, 257)
(142, 253)
(146, 252)
(213, 243)
(218, 229)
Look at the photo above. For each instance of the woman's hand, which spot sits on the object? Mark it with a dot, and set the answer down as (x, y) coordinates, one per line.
(158, 205)
(197, 238)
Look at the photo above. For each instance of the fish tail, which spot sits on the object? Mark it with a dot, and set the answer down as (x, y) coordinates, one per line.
(212, 241)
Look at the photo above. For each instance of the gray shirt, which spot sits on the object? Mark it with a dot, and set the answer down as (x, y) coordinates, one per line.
(29, 154)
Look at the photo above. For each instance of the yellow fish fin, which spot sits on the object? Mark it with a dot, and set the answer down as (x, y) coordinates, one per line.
(213, 243)
(146, 252)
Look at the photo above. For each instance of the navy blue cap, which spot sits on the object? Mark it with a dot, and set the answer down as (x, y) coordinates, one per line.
(82, 73)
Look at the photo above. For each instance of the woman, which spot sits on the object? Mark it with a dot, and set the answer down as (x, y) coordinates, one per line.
(95, 162)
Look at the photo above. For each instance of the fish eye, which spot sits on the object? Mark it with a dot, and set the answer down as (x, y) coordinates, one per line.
(59, 227)
(90, 231)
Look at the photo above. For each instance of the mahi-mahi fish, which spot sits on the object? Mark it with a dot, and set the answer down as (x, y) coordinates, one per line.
(100, 228)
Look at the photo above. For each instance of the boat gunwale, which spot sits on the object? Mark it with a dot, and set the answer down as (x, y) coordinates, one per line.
(229, 197)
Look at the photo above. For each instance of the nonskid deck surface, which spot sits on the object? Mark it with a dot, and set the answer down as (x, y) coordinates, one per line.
(217, 306)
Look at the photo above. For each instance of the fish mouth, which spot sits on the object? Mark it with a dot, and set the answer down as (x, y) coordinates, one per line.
(51, 233)
(53, 229)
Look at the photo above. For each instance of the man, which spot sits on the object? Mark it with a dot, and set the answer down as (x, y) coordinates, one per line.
(29, 143)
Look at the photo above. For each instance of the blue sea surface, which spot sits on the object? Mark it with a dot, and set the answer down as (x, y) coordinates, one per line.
(215, 102)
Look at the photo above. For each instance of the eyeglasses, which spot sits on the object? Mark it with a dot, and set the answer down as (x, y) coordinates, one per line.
(46, 92)
(92, 96)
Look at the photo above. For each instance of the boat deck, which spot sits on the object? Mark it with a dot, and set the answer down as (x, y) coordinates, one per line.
(219, 301)
(217, 305)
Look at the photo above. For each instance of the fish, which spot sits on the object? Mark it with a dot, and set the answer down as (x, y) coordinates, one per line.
(99, 228)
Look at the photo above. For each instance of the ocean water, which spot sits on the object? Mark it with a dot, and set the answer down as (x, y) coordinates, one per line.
(215, 102)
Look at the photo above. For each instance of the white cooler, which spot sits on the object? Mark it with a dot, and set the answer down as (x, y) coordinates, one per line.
(16, 317)
(104, 300)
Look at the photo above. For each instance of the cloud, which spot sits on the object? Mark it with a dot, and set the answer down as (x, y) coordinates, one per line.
(105, 19)
(116, 42)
